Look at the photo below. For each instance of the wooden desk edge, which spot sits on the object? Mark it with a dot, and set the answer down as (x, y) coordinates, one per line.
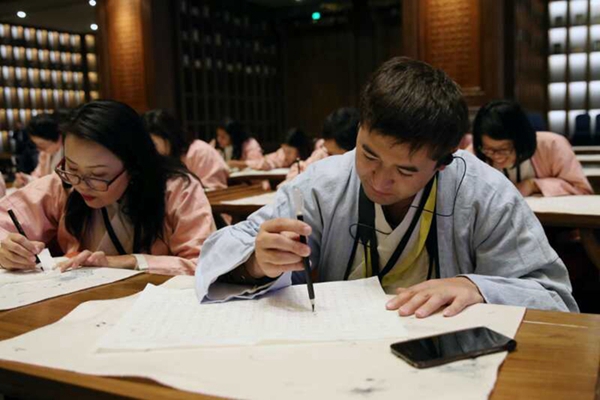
(60, 380)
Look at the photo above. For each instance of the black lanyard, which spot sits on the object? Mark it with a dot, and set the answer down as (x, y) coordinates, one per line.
(113, 236)
(518, 173)
(367, 235)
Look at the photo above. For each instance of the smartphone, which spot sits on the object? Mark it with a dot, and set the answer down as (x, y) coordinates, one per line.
(453, 346)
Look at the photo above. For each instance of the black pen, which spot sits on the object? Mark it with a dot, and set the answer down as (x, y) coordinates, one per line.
(15, 221)
(299, 205)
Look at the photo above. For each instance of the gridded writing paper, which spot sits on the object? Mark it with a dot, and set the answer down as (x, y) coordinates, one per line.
(345, 311)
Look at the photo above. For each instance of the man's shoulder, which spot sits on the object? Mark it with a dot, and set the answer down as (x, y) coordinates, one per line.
(477, 180)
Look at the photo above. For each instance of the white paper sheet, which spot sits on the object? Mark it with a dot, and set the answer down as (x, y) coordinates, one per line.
(575, 205)
(253, 172)
(48, 263)
(364, 369)
(345, 311)
(20, 288)
(260, 200)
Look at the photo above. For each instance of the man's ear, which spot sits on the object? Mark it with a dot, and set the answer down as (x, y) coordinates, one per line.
(444, 162)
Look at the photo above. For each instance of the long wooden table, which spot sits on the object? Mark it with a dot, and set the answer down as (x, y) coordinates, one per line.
(586, 149)
(589, 160)
(593, 175)
(274, 177)
(557, 356)
(237, 211)
(577, 212)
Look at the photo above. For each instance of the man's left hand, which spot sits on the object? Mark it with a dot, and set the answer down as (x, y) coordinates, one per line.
(426, 298)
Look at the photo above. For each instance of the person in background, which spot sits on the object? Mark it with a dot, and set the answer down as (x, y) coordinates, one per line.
(338, 137)
(536, 162)
(198, 156)
(235, 144)
(44, 132)
(26, 154)
(113, 201)
(297, 146)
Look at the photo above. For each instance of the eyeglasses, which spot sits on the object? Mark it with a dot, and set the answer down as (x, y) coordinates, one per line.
(499, 152)
(96, 184)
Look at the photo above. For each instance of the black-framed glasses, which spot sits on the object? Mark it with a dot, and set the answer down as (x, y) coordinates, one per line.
(500, 152)
(96, 184)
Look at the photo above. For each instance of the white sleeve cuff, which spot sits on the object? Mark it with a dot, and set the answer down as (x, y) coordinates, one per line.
(141, 263)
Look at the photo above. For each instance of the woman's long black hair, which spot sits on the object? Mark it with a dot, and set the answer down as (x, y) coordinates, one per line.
(238, 136)
(117, 127)
(166, 126)
(298, 139)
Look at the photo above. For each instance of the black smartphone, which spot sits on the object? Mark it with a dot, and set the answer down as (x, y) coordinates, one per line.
(452, 346)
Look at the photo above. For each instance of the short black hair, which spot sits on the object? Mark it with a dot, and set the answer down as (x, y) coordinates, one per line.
(298, 139)
(416, 104)
(505, 120)
(44, 126)
(342, 126)
(163, 124)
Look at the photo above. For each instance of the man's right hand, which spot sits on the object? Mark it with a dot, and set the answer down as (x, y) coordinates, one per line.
(17, 252)
(278, 248)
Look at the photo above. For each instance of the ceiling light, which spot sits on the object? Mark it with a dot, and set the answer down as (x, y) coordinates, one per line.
(21, 14)
(92, 3)
(94, 27)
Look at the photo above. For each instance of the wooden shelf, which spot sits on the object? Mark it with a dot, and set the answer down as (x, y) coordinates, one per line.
(72, 60)
(224, 49)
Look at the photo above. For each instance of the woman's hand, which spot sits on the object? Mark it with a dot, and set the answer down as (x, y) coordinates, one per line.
(98, 259)
(237, 164)
(18, 253)
(528, 187)
(22, 179)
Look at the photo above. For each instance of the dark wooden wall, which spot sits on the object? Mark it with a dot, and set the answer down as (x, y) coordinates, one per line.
(527, 54)
(136, 52)
(325, 65)
(493, 48)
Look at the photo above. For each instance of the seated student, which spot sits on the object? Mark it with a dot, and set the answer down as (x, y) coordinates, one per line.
(297, 145)
(339, 136)
(536, 162)
(113, 199)
(440, 230)
(235, 144)
(44, 132)
(199, 157)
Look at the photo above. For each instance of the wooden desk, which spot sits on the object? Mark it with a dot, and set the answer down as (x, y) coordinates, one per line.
(586, 149)
(578, 212)
(593, 175)
(239, 212)
(275, 177)
(557, 356)
(589, 160)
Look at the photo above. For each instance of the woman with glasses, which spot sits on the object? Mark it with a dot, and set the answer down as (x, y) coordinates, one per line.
(536, 162)
(113, 201)
(198, 156)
